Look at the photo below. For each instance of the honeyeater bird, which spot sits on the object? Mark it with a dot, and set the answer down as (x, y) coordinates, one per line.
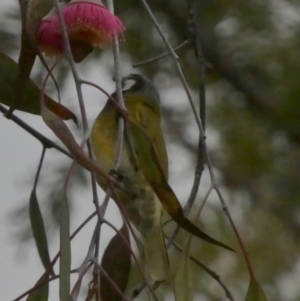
(144, 209)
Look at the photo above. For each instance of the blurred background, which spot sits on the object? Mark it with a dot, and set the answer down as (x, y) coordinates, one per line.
(253, 136)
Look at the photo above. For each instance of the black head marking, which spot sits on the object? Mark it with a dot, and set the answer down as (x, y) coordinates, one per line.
(140, 83)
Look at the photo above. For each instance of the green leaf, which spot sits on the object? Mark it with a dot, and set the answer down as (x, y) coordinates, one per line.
(154, 174)
(41, 293)
(29, 100)
(255, 292)
(9, 92)
(38, 229)
(65, 251)
(27, 52)
(182, 282)
(116, 262)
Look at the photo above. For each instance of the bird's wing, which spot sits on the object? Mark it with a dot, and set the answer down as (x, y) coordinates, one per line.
(149, 119)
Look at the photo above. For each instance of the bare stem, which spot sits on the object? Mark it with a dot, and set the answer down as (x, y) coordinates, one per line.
(210, 272)
(49, 269)
(184, 43)
(46, 142)
(177, 65)
(228, 215)
(194, 38)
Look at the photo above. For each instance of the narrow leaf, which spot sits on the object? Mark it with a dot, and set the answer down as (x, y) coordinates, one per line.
(41, 293)
(65, 251)
(182, 282)
(28, 52)
(116, 262)
(255, 292)
(38, 229)
(60, 110)
(29, 100)
(154, 174)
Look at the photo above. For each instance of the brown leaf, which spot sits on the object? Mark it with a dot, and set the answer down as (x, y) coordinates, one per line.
(155, 176)
(116, 262)
(60, 110)
(92, 291)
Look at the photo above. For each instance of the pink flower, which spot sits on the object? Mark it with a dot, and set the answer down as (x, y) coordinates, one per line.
(89, 24)
(49, 38)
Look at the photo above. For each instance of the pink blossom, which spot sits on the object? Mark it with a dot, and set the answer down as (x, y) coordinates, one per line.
(88, 23)
(49, 37)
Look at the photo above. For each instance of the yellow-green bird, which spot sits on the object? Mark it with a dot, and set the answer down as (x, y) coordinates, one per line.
(144, 209)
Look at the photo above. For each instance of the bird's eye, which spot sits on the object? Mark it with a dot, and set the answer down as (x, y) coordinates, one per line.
(127, 84)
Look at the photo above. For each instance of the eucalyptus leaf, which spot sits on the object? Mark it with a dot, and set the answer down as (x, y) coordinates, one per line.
(29, 100)
(65, 251)
(182, 282)
(38, 229)
(255, 292)
(116, 262)
(40, 293)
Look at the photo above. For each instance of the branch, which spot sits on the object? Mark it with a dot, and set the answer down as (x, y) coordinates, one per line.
(184, 43)
(194, 39)
(47, 143)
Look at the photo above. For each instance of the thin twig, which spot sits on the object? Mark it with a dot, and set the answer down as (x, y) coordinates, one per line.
(69, 57)
(37, 176)
(167, 53)
(82, 270)
(39, 168)
(40, 284)
(121, 111)
(227, 213)
(78, 83)
(44, 140)
(198, 171)
(130, 250)
(194, 38)
(111, 282)
(76, 288)
(49, 269)
(119, 144)
(120, 99)
(210, 272)
(177, 65)
(67, 177)
(190, 237)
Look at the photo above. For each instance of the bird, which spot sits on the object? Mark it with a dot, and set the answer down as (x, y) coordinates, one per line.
(142, 102)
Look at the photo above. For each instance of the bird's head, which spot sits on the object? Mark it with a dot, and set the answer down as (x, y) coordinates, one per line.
(137, 83)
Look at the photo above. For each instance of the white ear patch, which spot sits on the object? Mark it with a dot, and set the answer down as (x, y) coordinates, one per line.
(127, 84)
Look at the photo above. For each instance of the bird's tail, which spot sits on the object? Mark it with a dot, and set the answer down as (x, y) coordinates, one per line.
(155, 254)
